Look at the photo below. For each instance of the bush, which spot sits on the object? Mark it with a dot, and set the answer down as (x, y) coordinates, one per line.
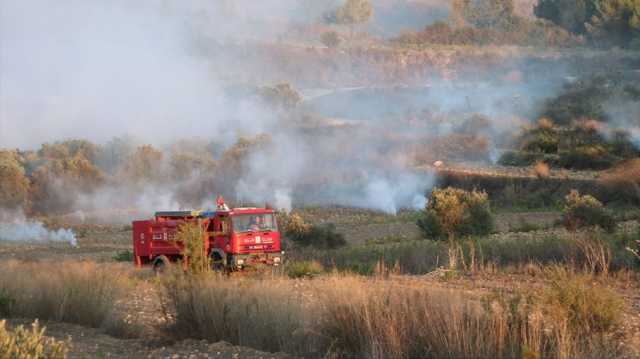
(281, 96)
(453, 211)
(324, 236)
(524, 159)
(331, 39)
(300, 269)
(305, 234)
(542, 139)
(123, 256)
(22, 343)
(586, 211)
(191, 236)
(590, 308)
(587, 157)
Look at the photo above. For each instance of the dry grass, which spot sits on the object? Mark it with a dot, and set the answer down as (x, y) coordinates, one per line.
(266, 315)
(22, 343)
(353, 317)
(74, 292)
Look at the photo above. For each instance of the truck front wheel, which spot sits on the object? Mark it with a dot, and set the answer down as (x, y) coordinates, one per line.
(218, 262)
(161, 264)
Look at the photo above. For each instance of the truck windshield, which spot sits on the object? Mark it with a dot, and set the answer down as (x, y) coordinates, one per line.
(253, 222)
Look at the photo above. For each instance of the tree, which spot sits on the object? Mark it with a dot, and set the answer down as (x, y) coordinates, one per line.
(454, 212)
(144, 164)
(354, 12)
(604, 22)
(573, 15)
(351, 14)
(615, 22)
(331, 39)
(483, 14)
(113, 153)
(14, 184)
(281, 96)
(57, 183)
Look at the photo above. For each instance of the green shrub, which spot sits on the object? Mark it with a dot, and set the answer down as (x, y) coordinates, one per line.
(22, 343)
(300, 269)
(542, 140)
(479, 222)
(453, 211)
(525, 159)
(586, 211)
(319, 236)
(191, 236)
(430, 226)
(123, 256)
(5, 302)
(587, 157)
(325, 236)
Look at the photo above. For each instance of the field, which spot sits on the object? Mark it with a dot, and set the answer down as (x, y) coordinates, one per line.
(145, 318)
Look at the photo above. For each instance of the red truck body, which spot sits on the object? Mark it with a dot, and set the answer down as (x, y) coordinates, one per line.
(233, 238)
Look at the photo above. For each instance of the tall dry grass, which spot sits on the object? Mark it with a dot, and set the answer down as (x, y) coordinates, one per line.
(74, 292)
(353, 317)
(268, 314)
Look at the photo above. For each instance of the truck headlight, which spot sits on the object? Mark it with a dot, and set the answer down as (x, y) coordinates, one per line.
(276, 260)
(240, 262)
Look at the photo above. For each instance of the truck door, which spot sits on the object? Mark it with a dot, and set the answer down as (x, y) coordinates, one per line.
(221, 233)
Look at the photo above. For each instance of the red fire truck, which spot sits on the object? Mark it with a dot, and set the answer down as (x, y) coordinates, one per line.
(233, 238)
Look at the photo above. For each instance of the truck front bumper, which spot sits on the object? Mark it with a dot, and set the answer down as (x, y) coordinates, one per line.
(255, 259)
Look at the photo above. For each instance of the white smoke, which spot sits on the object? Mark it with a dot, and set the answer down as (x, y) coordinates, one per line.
(20, 229)
(160, 70)
(390, 195)
(283, 199)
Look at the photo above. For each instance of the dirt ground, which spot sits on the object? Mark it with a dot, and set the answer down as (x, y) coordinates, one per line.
(89, 343)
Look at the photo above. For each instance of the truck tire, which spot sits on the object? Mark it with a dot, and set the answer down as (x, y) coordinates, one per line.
(161, 265)
(218, 262)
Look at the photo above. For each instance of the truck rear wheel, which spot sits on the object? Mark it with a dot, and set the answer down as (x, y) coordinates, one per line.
(161, 265)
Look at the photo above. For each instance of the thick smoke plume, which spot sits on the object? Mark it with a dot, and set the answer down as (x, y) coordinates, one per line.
(189, 77)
